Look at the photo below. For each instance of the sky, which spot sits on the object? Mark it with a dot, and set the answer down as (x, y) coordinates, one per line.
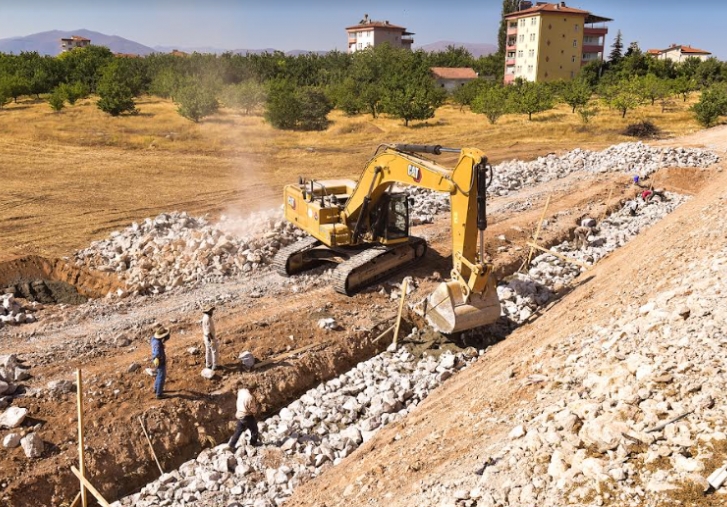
(320, 24)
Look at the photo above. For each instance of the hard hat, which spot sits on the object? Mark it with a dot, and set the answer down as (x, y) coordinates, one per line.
(161, 333)
(208, 308)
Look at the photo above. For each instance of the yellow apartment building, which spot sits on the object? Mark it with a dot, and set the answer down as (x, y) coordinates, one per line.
(551, 41)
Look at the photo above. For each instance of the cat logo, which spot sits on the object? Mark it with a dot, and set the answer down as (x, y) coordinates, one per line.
(291, 201)
(414, 172)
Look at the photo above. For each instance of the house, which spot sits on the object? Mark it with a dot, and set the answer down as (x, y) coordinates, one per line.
(369, 33)
(551, 41)
(451, 78)
(678, 53)
(75, 41)
(176, 52)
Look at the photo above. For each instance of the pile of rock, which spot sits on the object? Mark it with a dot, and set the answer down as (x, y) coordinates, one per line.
(633, 412)
(175, 249)
(315, 432)
(522, 295)
(13, 313)
(11, 373)
(631, 158)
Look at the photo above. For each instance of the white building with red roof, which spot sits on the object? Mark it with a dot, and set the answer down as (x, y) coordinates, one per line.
(678, 53)
(369, 33)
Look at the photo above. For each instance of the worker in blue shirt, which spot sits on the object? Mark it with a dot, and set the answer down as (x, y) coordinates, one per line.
(159, 358)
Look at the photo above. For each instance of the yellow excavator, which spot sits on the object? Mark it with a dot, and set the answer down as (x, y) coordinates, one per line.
(363, 227)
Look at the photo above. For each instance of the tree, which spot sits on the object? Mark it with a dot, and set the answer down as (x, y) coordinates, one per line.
(464, 95)
(246, 96)
(492, 101)
(72, 92)
(684, 86)
(633, 49)
(86, 65)
(196, 101)
(116, 95)
(282, 109)
(529, 98)
(587, 112)
(712, 104)
(453, 56)
(654, 88)
(17, 86)
(616, 49)
(4, 94)
(56, 100)
(625, 95)
(576, 93)
(314, 109)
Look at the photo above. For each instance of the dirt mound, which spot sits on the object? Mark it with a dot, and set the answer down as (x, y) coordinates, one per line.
(682, 180)
(54, 280)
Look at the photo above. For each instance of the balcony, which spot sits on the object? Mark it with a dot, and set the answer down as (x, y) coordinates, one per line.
(408, 40)
(591, 48)
(512, 30)
(510, 61)
(590, 30)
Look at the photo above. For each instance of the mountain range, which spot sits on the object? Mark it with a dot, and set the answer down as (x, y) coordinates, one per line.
(48, 43)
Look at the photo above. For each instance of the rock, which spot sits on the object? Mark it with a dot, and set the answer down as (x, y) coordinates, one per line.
(59, 387)
(247, 359)
(32, 445)
(133, 367)
(11, 440)
(208, 373)
(517, 432)
(13, 417)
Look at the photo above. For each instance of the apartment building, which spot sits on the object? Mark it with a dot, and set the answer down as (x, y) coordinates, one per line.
(369, 33)
(551, 41)
(75, 41)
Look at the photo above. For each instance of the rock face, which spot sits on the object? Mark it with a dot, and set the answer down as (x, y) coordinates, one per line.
(313, 433)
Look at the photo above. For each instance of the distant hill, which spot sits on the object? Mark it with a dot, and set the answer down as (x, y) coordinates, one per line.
(219, 51)
(477, 49)
(48, 43)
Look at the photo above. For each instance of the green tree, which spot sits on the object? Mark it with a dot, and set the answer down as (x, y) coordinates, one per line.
(283, 107)
(116, 94)
(529, 98)
(17, 86)
(72, 92)
(492, 101)
(712, 104)
(166, 82)
(86, 65)
(684, 86)
(576, 93)
(587, 112)
(246, 96)
(4, 93)
(313, 110)
(654, 88)
(57, 100)
(464, 95)
(196, 101)
(453, 56)
(616, 49)
(624, 96)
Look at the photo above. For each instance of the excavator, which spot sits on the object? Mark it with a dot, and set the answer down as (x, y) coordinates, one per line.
(363, 227)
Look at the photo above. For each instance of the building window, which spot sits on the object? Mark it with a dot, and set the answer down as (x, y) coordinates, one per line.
(576, 27)
(532, 37)
(533, 21)
(522, 22)
(573, 59)
(571, 74)
(530, 69)
(575, 43)
(521, 38)
(360, 45)
(531, 53)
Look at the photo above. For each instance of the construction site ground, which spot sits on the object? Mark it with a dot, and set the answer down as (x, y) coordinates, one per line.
(266, 315)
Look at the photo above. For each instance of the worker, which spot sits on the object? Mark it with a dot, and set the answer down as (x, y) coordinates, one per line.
(581, 236)
(247, 409)
(632, 206)
(159, 359)
(209, 337)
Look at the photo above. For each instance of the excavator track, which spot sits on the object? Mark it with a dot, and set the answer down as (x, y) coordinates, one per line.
(282, 260)
(374, 264)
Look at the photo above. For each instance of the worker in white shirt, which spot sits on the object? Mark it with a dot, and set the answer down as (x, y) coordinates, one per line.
(210, 339)
(247, 409)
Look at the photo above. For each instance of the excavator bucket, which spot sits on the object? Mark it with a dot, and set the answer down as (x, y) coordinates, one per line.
(448, 313)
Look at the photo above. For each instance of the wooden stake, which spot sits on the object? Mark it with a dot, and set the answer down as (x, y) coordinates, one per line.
(537, 231)
(387, 331)
(100, 499)
(603, 215)
(404, 286)
(81, 461)
(76, 500)
(150, 446)
(559, 255)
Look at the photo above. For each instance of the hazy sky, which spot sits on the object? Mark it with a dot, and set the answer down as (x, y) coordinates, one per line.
(320, 24)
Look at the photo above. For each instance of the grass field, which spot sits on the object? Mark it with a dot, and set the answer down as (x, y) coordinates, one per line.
(71, 177)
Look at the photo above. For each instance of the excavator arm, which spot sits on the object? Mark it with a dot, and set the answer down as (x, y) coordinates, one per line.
(469, 299)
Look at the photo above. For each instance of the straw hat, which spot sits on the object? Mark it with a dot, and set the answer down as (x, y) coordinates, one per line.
(161, 333)
(208, 308)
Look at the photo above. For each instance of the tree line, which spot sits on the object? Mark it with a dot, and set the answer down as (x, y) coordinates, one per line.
(297, 92)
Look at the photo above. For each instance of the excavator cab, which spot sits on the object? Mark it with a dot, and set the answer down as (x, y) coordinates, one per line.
(390, 218)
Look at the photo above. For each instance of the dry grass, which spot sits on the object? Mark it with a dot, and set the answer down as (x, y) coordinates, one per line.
(72, 177)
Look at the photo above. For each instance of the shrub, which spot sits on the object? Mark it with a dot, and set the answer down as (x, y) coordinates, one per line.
(587, 112)
(196, 101)
(642, 129)
(56, 100)
(712, 104)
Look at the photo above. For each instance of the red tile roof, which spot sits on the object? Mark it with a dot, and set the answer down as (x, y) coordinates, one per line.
(690, 49)
(557, 8)
(375, 24)
(653, 51)
(454, 73)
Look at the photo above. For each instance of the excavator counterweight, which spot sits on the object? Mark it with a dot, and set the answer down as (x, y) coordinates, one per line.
(363, 227)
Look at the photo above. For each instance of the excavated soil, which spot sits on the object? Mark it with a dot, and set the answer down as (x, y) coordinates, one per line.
(199, 412)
